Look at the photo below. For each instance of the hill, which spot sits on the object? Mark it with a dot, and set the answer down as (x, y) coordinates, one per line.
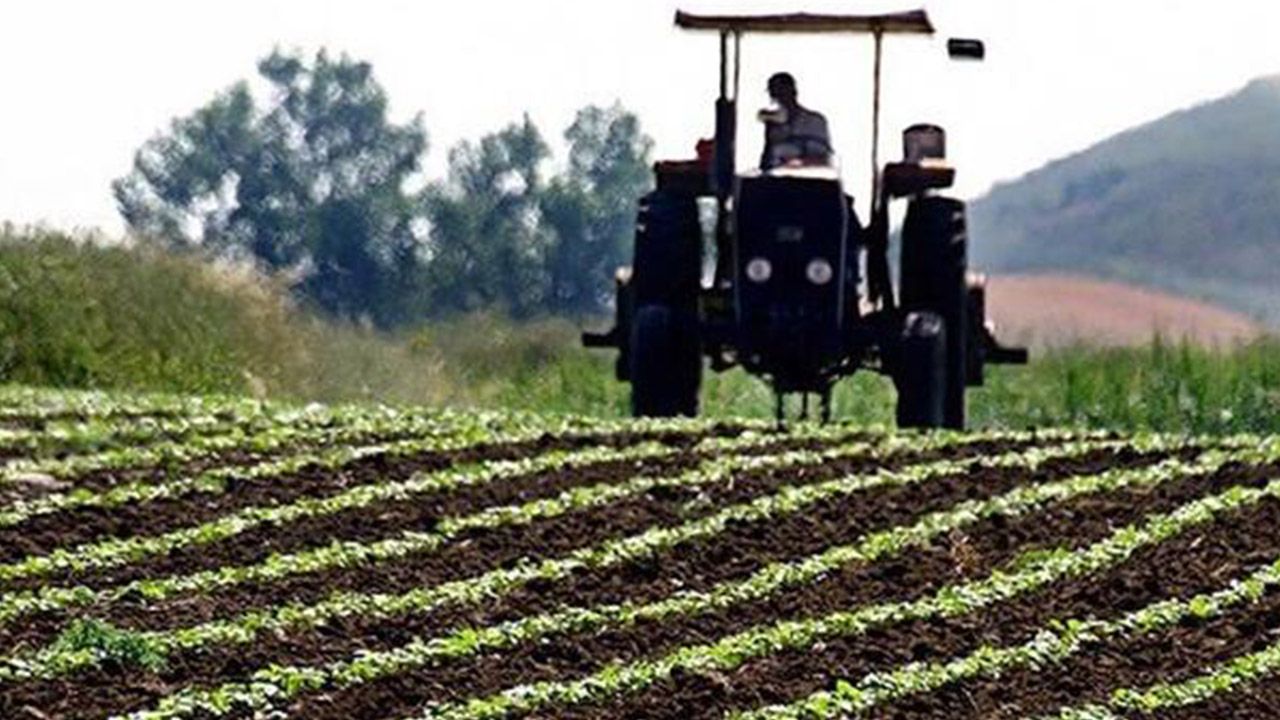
(1189, 203)
(1106, 313)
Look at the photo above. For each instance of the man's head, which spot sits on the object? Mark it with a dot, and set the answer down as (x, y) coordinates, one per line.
(782, 88)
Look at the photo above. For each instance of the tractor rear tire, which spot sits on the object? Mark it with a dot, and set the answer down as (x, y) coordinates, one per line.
(666, 362)
(667, 267)
(921, 373)
(975, 360)
(665, 349)
(934, 270)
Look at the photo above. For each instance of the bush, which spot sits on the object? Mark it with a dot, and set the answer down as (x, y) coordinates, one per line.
(77, 312)
(83, 314)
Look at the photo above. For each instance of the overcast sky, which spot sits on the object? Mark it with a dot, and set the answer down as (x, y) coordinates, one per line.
(85, 82)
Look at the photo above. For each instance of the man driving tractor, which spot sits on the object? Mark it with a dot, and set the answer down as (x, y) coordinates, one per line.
(793, 134)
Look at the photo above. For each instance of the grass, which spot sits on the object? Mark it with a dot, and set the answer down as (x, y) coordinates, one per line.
(76, 313)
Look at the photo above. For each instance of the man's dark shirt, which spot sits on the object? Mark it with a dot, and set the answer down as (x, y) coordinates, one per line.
(803, 136)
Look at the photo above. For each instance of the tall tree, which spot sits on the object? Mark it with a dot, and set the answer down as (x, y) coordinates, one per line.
(486, 242)
(590, 208)
(312, 183)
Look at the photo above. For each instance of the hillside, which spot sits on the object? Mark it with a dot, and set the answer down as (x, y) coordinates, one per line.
(1105, 313)
(1189, 203)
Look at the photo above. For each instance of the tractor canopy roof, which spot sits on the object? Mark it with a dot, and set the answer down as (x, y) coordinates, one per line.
(913, 22)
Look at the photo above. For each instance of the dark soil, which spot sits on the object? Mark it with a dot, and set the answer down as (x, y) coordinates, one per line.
(972, 554)
(696, 566)
(511, 543)
(1252, 702)
(1193, 563)
(44, 533)
(482, 552)
(1171, 655)
(205, 460)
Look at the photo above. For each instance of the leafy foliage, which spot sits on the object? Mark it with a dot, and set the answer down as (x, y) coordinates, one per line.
(103, 643)
(486, 236)
(590, 209)
(312, 183)
(505, 237)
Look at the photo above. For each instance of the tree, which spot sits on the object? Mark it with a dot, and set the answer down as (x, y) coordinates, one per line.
(503, 237)
(487, 241)
(312, 183)
(590, 209)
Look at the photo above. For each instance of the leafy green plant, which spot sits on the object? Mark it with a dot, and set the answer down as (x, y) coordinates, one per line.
(730, 652)
(91, 641)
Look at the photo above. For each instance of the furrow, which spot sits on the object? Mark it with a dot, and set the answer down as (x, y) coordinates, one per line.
(339, 555)
(104, 470)
(789, 501)
(140, 507)
(583, 639)
(304, 429)
(1213, 692)
(732, 652)
(1060, 639)
(166, 536)
(114, 552)
(1189, 563)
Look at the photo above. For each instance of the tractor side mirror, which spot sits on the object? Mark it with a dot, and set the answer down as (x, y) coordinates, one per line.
(966, 49)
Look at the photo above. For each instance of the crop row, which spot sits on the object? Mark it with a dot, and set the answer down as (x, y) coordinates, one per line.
(317, 426)
(713, 471)
(340, 436)
(247, 433)
(278, 683)
(1233, 675)
(1027, 574)
(20, 402)
(135, 441)
(114, 552)
(63, 437)
(425, 436)
(27, 403)
(1065, 638)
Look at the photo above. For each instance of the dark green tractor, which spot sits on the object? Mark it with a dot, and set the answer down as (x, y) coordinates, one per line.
(798, 290)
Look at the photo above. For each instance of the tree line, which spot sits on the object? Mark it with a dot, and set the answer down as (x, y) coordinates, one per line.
(314, 184)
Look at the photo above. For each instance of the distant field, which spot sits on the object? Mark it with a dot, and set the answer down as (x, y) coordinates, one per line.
(1053, 310)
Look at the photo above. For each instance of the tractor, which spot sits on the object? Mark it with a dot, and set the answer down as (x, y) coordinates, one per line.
(773, 271)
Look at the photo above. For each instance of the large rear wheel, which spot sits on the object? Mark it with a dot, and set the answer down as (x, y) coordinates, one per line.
(666, 363)
(934, 268)
(921, 372)
(665, 347)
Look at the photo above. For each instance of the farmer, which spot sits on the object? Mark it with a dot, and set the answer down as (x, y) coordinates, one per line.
(793, 134)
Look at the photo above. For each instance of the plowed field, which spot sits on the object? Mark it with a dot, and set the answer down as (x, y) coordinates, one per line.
(197, 558)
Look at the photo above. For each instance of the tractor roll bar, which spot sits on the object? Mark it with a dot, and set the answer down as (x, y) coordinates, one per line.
(731, 29)
(913, 22)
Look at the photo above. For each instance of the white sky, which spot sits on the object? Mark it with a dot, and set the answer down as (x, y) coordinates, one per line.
(84, 83)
